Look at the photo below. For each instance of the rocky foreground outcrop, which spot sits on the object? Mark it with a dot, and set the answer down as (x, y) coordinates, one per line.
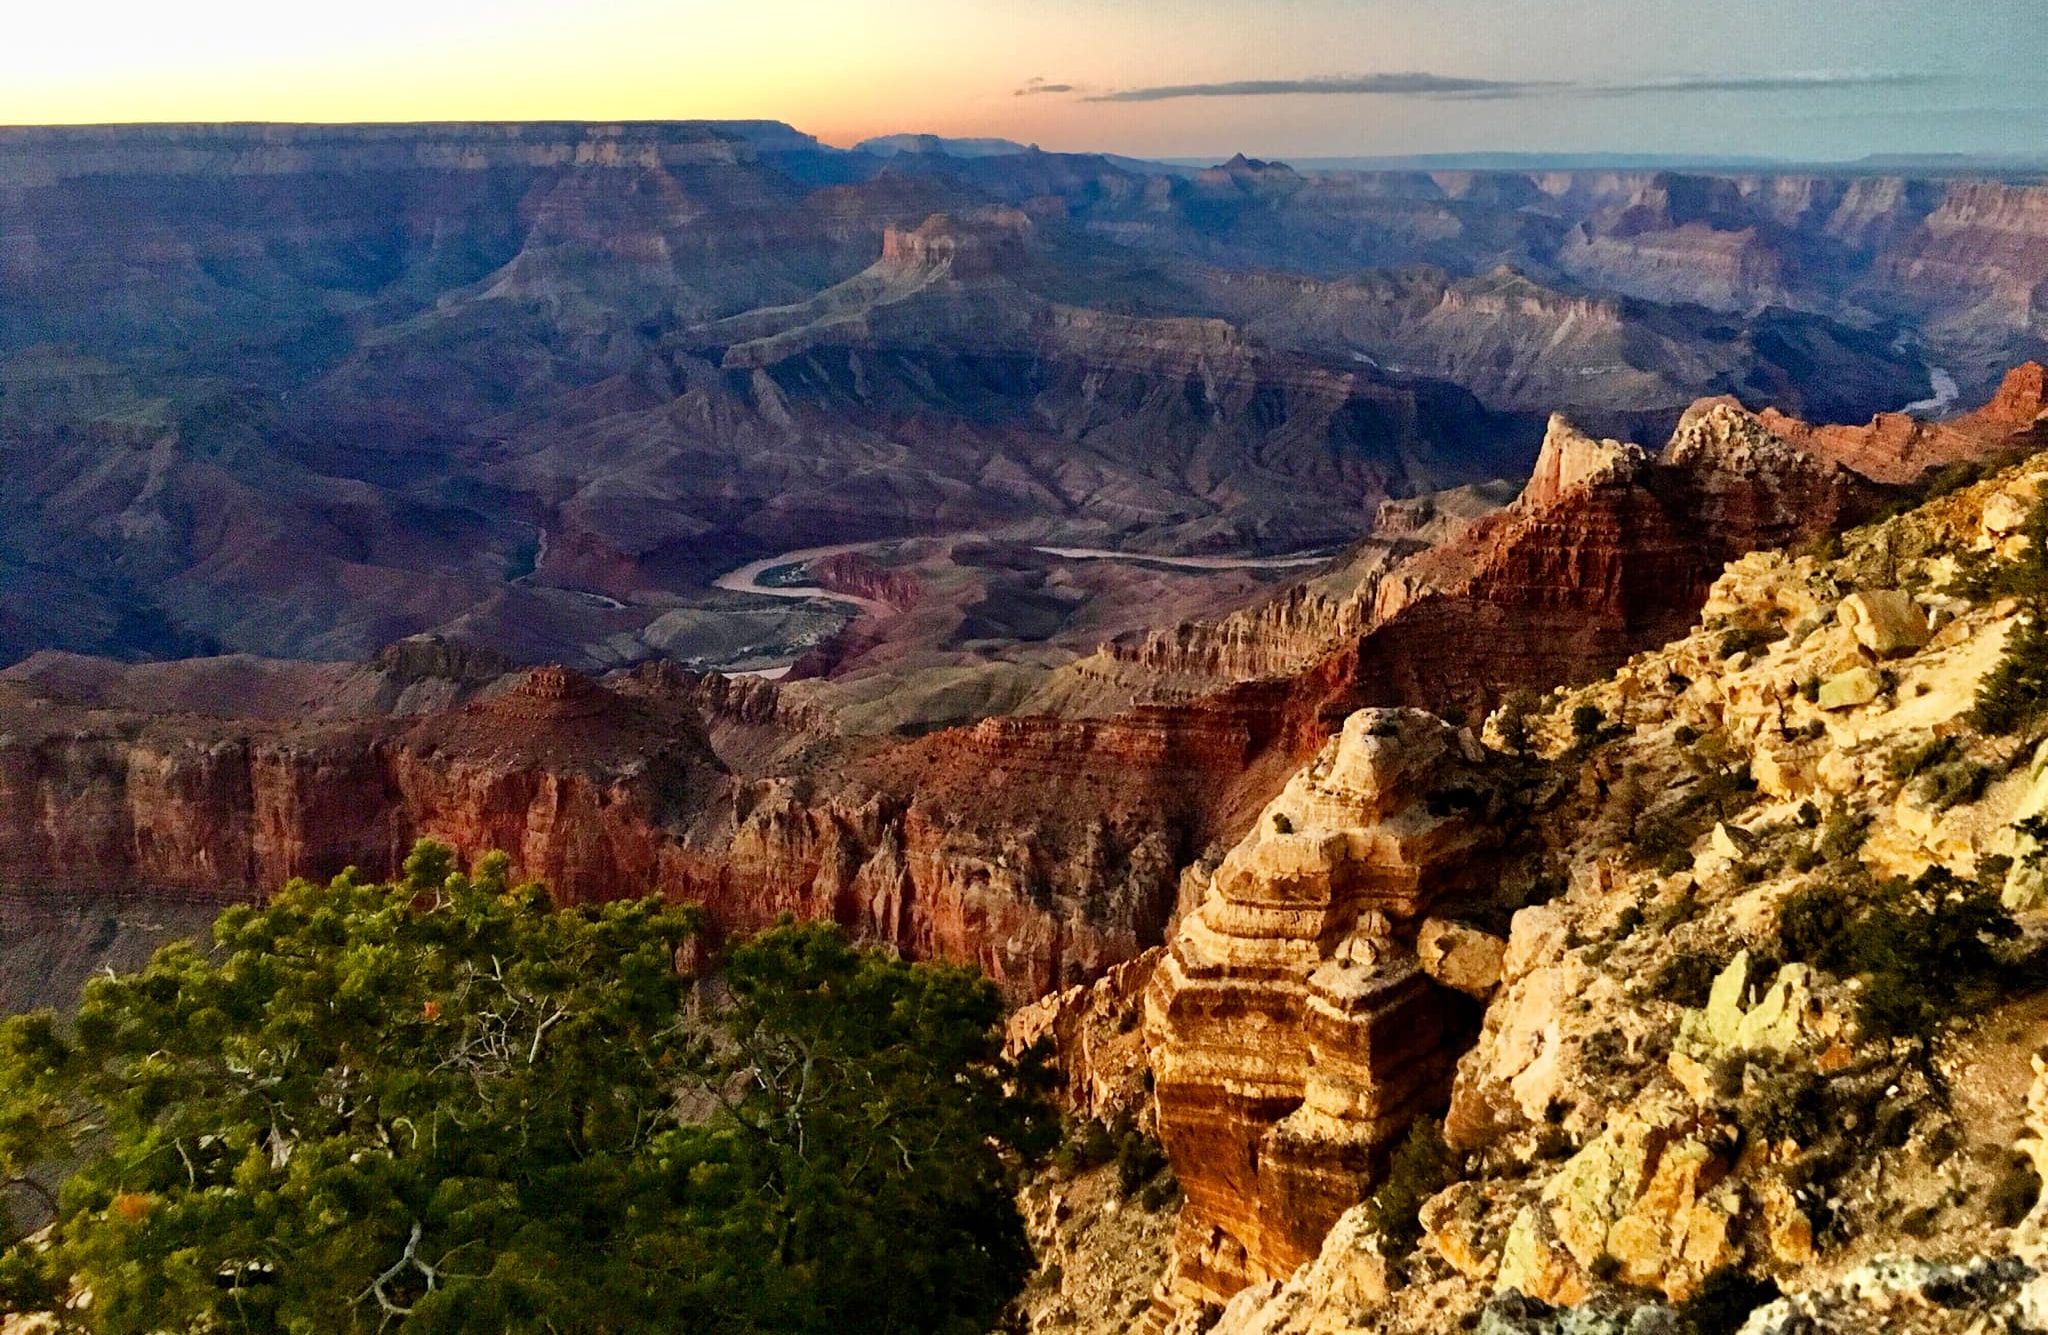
(1715, 980)
(1293, 1031)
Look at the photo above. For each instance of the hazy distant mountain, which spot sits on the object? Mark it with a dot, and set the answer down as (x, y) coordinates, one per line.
(889, 145)
(1922, 164)
(896, 145)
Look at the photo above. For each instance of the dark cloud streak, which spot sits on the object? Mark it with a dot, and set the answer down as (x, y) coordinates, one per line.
(1385, 85)
(1815, 81)
(1458, 88)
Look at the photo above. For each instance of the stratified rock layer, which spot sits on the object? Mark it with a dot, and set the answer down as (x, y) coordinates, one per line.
(1293, 1031)
(1726, 1050)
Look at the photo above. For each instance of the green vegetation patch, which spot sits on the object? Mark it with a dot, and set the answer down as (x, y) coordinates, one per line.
(1421, 1166)
(1925, 948)
(446, 1106)
(2013, 695)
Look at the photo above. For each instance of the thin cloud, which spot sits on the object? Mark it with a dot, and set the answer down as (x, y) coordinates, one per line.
(1796, 81)
(1035, 87)
(1382, 85)
(1461, 88)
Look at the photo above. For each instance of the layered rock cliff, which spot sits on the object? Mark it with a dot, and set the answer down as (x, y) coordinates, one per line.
(1896, 447)
(1306, 621)
(1045, 850)
(1731, 953)
(1293, 1033)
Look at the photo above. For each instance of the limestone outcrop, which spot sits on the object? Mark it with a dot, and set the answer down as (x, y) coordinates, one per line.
(1571, 459)
(1723, 1049)
(1293, 1032)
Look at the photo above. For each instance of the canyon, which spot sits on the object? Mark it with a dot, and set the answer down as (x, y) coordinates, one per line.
(1043, 848)
(1342, 651)
(305, 391)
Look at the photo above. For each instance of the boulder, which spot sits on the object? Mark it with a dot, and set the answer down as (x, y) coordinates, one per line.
(1647, 1195)
(1839, 773)
(1885, 621)
(2004, 513)
(1857, 686)
(1461, 957)
(1783, 772)
(1459, 1224)
(1348, 1278)
(1536, 937)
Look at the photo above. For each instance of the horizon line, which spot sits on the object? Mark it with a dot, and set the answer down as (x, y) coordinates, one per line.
(1171, 159)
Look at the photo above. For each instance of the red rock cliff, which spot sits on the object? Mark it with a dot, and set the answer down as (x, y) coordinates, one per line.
(1293, 1033)
(1043, 850)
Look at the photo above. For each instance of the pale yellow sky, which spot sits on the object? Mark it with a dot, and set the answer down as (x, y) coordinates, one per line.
(846, 69)
(838, 69)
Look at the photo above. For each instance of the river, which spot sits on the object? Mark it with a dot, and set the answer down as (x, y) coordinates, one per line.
(1190, 562)
(747, 579)
(1946, 391)
(540, 554)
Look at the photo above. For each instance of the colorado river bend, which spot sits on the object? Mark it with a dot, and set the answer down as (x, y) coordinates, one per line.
(747, 579)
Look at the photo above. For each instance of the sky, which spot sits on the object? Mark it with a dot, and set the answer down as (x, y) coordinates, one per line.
(1800, 79)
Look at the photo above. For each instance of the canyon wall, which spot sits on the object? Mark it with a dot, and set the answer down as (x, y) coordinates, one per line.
(1678, 1089)
(1044, 850)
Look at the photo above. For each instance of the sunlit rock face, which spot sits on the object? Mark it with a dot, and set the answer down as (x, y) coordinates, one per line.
(1896, 447)
(1665, 1065)
(1293, 1031)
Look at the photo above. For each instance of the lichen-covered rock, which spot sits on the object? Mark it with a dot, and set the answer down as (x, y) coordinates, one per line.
(1786, 1016)
(1646, 1199)
(1910, 1296)
(1848, 690)
(1513, 1314)
(1466, 1225)
(2004, 514)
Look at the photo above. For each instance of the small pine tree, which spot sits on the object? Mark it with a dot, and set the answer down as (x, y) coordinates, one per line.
(2012, 694)
(1421, 1167)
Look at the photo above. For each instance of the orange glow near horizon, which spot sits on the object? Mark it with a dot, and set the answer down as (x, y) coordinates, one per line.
(848, 69)
(838, 70)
